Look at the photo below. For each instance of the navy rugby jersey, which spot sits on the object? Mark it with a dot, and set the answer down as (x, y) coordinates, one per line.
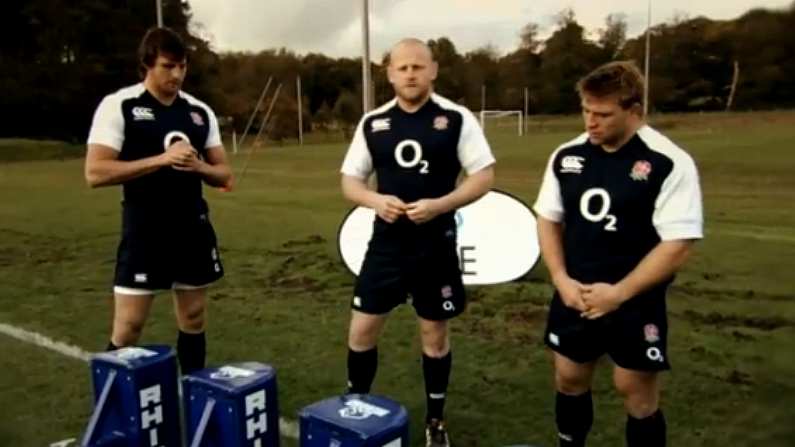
(417, 155)
(616, 207)
(136, 124)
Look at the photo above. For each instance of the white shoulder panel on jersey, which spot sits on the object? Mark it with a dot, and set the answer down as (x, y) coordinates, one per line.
(474, 151)
(678, 210)
(214, 134)
(107, 127)
(549, 203)
(358, 162)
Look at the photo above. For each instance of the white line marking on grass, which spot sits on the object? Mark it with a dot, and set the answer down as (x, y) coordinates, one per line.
(287, 427)
(44, 342)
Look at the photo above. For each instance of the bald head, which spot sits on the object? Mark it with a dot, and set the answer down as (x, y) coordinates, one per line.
(410, 45)
(411, 72)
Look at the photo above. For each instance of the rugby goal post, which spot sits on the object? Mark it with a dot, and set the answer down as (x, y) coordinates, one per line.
(489, 114)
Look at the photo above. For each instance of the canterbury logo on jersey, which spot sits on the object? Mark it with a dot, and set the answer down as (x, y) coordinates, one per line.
(381, 124)
(571, 164)
(143, 114)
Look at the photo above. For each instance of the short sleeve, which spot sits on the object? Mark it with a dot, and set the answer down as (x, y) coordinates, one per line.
(678, 212)
(214, 135)
(107, 127)
(474, 151)
(358, 162)
(549, 203)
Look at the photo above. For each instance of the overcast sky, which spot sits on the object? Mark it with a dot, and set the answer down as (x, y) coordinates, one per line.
(333, 27)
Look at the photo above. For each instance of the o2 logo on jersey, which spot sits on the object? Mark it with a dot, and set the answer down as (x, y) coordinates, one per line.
(602, 214)
(416, 159)
(174, 136)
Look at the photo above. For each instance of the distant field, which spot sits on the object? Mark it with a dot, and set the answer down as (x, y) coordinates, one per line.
(285, 298)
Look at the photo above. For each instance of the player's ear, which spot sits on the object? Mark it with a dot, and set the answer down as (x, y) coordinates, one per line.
(636, 109)
(390, 74)
(434, 70)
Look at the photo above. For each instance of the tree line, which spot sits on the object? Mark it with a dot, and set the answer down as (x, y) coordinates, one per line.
(59, 58)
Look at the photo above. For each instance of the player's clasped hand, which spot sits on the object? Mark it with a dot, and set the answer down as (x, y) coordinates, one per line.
(423, 210)
(390, 208)
(600, 299)
(571, 292)
(182, 157)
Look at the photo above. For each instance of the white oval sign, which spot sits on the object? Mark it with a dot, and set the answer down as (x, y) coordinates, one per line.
(497, 239)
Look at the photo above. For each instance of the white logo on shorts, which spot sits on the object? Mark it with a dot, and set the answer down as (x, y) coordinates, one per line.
(554, 339)
(357, 301)
(141, 277)
(655, 355)
(448, 306)
(565, 437)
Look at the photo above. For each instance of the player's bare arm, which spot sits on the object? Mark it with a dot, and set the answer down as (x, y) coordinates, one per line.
(659, 265)
(214, 169)
(388, 208)
(103, 168)
(472, 188)
(550, 237)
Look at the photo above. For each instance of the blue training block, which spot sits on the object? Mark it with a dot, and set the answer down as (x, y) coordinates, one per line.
(355, 420)
(136, 401)
(232, 406)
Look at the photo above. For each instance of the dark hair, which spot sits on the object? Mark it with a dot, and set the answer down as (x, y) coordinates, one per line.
(621, 78)
(160, 42)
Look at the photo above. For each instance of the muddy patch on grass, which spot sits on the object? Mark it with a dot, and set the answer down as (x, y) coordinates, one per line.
(736, 377)
(313, 239)
(690, 289)
(741, 336)
(301, 265)
(722, 320)
(532, 316)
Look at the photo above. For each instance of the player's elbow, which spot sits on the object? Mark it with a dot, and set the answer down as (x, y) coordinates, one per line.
(93, 180)
(485, 178)
(489, 177)
(350, 187)
(679, 251)
(94, 177)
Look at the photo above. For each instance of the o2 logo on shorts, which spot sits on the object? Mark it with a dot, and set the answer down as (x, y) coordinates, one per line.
(655, 355)
(416, 159)
(602, 215)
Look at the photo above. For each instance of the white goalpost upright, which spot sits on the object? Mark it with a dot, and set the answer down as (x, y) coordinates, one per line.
(484, 114)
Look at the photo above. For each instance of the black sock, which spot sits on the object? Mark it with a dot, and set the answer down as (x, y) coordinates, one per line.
(111, 346)
(646, 432)
(191, 351)
(574, 416)
(437, 375)
(362, 366)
